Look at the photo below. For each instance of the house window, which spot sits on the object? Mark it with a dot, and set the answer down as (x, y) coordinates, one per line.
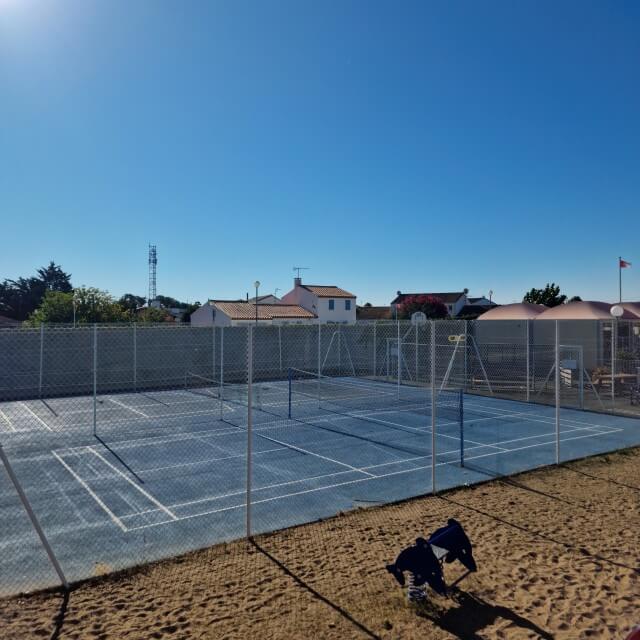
(332, 304)
(347, 305)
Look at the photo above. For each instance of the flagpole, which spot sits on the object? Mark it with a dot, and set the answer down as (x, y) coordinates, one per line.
(620, 278)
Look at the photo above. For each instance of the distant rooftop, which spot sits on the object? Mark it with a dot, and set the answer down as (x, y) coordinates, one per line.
(327, 291)
(239, 310)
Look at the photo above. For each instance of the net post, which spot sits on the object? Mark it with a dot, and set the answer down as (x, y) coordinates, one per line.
(433, 407)
(557, 381)
(249, 423)
(289, 378)
(95, 377)
(41, 360)
(34, 520)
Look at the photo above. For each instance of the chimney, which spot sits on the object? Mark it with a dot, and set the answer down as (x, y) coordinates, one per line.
(297, 282)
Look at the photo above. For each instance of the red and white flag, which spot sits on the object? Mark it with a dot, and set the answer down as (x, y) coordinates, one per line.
(624, 264)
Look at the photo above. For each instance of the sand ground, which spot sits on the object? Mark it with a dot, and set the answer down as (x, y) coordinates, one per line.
(558, 552)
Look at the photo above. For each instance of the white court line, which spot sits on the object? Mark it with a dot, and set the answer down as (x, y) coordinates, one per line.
(373, 466)
(209, 460)
(535, 417)
(124, 406)
(317, 455)
(6, 418)
(317, 477)
(37, 417)
(356, 481)
(92, 493)
(146, 494)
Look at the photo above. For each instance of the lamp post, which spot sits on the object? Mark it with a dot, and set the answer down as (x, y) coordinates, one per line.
(256, 284)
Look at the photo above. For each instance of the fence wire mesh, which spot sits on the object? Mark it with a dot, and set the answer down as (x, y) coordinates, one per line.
(135, 443)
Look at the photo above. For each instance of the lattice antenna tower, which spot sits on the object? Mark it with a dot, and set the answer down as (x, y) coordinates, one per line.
(153, 263)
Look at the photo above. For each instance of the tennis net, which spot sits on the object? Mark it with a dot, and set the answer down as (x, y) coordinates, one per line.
(364, 399)
(202, 386)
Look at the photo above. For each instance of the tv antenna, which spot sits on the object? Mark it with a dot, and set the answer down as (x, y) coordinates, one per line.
(299, 269)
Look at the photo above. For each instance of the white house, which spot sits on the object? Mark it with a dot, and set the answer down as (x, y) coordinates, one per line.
(233, 313)
(329, 303)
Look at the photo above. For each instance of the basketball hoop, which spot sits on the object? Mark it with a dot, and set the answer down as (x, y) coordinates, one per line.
(418, 318)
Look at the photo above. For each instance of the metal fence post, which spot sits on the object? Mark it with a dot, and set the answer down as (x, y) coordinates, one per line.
(433, 406)
(135, 357)
(528, 364)
(249, 422)
(213, 352)
(614, 339)
(319, 358)
(221, 372)
(557, 379)
(375, 349)
(41, 360)
(398, 358)
(466, 366)
(95, 378)
(33, 518)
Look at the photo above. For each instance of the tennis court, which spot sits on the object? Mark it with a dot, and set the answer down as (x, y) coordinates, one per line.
(166, 471)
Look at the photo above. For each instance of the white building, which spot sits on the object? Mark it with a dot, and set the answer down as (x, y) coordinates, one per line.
(329, 303)
(233, 313)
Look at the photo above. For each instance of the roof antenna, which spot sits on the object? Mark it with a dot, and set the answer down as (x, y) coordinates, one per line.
(299, 269)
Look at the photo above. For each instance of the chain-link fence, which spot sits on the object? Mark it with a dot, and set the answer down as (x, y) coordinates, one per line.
(126, 444)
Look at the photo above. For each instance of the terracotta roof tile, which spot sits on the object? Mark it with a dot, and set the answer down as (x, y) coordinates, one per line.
(247, 310)
(327, 291)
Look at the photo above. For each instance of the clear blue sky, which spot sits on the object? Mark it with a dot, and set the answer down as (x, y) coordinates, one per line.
(386, 145)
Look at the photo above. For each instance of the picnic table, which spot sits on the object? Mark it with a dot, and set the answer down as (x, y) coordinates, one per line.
(624, 379)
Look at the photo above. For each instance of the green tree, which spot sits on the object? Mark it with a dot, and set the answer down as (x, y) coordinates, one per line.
(550, 296)
(19, 298)
(91, 305)
(130, 302)
(431, 306)
(152, 314)
(190, 308)
(53, 278)
(172, 303)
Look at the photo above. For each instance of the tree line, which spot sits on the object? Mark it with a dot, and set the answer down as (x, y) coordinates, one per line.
(49, 297)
